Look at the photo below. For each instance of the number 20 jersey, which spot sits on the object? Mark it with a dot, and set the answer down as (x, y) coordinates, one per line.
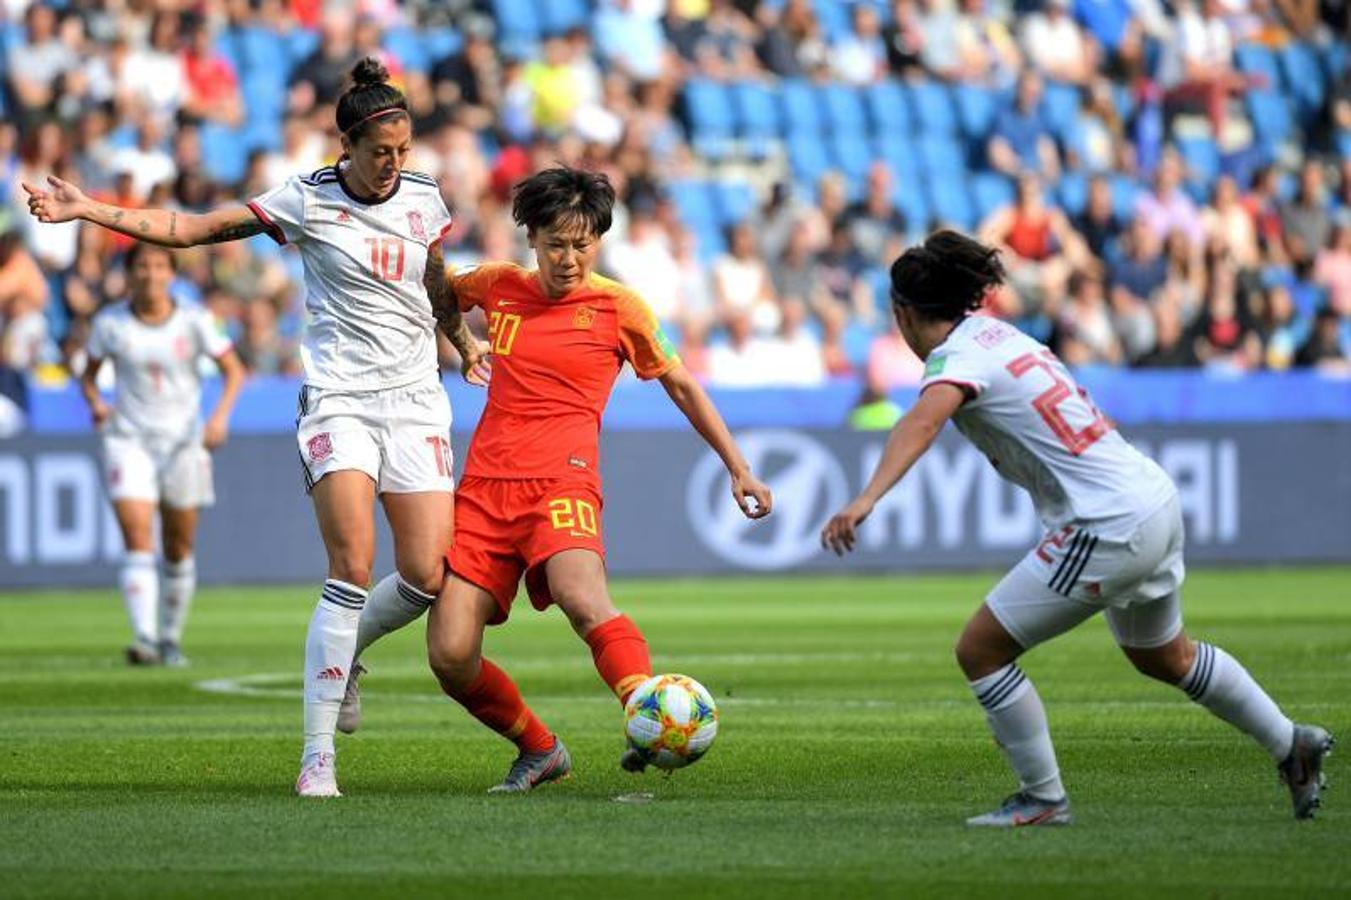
(370, 323)
(1040, 430)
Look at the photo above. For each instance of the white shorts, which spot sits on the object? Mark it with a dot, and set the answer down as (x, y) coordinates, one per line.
(1074, 573)
(400, 437)
(174, 474)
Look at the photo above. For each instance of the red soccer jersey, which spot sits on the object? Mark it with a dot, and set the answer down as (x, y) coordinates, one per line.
(554, 363)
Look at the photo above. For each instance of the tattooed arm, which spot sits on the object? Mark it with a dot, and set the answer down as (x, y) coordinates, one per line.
(170, 228)
(446, 308)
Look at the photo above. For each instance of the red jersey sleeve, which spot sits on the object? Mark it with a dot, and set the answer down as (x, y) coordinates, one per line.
(641, 340)
(473, 284)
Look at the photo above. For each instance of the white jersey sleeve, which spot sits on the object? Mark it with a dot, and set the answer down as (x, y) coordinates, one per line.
(955, 363)
(439, 218)
(282, 210)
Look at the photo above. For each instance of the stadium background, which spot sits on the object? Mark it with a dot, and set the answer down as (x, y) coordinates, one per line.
(1170, 181)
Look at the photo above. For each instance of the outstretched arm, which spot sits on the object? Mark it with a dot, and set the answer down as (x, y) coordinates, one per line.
(446, 308)
(62, 201)
(909, 439)
(691, 399)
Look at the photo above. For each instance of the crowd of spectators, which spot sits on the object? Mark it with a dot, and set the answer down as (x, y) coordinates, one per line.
(1120, 252)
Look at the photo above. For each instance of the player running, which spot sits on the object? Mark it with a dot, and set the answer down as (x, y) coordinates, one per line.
(155, 450)
(373, 417)
(529, 503)
(1114, 530)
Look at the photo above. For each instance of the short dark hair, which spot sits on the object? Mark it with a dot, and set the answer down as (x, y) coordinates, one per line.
(140, 248)
(370, 95)
(563, 195)
(946, 277)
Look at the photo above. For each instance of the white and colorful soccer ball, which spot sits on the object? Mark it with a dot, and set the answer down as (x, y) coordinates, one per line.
(671, 720)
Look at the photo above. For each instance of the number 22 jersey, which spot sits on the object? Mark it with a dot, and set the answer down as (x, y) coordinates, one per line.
(370, 323)
(1038, 428)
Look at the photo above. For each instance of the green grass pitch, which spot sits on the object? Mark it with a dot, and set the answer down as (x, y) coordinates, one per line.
(849, 754)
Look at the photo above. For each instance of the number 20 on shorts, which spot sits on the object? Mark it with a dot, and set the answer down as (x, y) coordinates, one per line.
(577, 517)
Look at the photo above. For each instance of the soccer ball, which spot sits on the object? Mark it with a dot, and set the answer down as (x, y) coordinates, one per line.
(671, 720)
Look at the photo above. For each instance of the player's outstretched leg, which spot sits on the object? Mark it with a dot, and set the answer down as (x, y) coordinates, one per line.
(329, 648)
(1212, 678)
(392, 604)
(1018, 721)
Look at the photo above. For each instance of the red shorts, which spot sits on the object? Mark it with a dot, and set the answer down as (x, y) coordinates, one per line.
(508, 528)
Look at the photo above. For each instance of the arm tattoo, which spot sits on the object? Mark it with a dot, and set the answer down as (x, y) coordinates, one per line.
(118, 215)
(235, 231)
(143, 227)
(446, 306)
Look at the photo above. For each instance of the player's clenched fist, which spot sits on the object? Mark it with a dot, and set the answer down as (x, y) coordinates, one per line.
(752, 495)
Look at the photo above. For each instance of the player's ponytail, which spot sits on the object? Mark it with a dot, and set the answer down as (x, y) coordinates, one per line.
(370, 99)
(946, 277)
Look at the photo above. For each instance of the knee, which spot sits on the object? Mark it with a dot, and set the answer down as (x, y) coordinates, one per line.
(351, 569)
(1169, 663)
(976, 658)
(455, 665)
(584, 608)
(426, 577)
(177, 550)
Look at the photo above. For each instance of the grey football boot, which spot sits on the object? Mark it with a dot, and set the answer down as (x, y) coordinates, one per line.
(631, 760)
(1302, 770)
(349, 714)
(530, 770)
(1022, 809)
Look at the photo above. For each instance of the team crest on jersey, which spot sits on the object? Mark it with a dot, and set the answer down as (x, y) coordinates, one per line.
(344, 215)
(416, 225)
(182, 350)
(585, 317)
(935, 365)
(320, 447)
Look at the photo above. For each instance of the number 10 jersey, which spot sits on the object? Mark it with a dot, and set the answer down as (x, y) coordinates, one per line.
(1039, 429)
(370, 323)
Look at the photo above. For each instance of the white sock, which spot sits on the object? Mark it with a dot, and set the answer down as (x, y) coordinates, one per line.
(393, 603)
(329, 647)
(140, 593)
(180, 583)
(1018, 721)
(1219, 682)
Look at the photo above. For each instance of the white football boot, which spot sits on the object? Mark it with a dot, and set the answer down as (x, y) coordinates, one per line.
(318, 778)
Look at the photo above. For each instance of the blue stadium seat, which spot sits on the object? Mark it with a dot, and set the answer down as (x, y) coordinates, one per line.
(851, 155)
(694, 202)
(888, 109)
(264, 98)
(1271, 117)
(1344, 144)
(708, 104)
(757, 110)
(560, 15)
(224, 152)
(940, 156)
(1060, 107)
(1201, 156)
(1071, 193)
(910, 198)
(801, 114)
(1124, 100)
(439, 43)
(976, 109)
(951, 202)
(516, 19)
(1254, 59)
(991, 191)
(1304, 79)
(734, 201)
(1125, 190)
(897, 152)
(405, 44)
(807, 157)
(844, 111)
(933, 108)
(833, 17)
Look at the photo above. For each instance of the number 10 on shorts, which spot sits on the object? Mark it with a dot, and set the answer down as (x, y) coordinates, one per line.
(440, 447)
(577, 517)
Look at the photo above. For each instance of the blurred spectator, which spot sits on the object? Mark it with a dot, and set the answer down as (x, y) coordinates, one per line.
(468, 83)
(1324, 348)
(1055, 45)
(1263, 203)
(891, 362)
(320, 78)
(987, 50)
(741, 283)
(1142, 269)
(939, 50)
(1332, 270)
(876, 226)
(152, 75)
(1167, 207)
(1171, 350)
(1276, 327)
(1305, 219)
(1229, 225)
(1099, 224)
(1039, 245)
(628, 35)
(1084, 331)
(861, 57)
(743, 360)
(145, 161)
(839, 272)
(643, 260)
(1097, 138)
(35, 64)
(794, 273)
(261, 347)
(793, 354)
(1221, 335)
(302, 152)
(1198, 63)
(212, 86)
(23, 300)
(1021, 140)
(904, 38)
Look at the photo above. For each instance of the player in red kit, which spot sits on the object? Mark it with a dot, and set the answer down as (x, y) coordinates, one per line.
(530, 500)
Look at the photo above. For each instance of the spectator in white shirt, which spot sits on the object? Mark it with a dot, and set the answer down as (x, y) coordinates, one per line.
(861, 57)
(1055, 44)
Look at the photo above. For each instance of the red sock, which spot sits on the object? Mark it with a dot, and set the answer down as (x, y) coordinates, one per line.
(495, 701)
(620, 652)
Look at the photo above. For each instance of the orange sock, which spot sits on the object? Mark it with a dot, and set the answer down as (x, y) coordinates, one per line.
(495, 701)
(620, 652)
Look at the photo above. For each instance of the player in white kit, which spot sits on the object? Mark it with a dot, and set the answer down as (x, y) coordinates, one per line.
(1113, 539)
(155, 448)
(373, 418)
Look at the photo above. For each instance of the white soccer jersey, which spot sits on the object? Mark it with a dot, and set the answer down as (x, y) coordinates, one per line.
(1041, 431)
(371, 325)
(159, 388)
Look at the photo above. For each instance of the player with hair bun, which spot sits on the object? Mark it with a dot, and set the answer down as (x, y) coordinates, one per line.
(1114, 530)
(373, 418)
(156, 451)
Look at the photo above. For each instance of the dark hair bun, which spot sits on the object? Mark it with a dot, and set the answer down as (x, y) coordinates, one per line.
(369, 71)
